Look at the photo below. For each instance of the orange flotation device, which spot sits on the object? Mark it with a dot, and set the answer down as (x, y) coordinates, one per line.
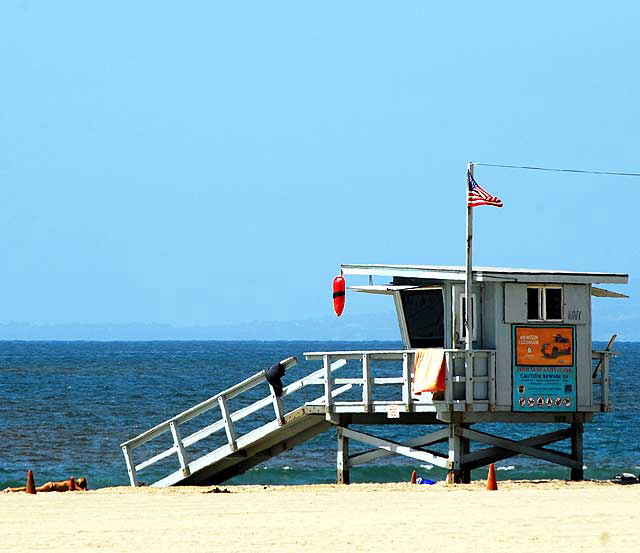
(338, 295)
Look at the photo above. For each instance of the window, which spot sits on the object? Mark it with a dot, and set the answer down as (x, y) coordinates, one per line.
(544, 303)
(462, 310)
(424, 317)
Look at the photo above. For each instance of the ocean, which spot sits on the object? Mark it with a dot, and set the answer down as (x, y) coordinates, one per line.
(65, 407)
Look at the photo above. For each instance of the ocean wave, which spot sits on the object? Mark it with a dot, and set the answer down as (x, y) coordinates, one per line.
(426, 467)
(508, 467)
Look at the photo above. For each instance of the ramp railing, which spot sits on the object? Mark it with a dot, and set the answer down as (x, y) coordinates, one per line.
(226, 421)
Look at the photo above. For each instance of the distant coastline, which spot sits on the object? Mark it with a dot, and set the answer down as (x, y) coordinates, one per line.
(361, 327)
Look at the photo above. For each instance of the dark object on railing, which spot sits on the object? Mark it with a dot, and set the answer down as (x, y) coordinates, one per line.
(625, 478)
(273, 375)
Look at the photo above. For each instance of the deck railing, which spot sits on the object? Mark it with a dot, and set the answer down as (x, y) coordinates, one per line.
(470, 381)
(600, 377)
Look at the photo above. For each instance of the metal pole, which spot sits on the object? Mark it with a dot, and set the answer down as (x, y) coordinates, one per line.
(469, 272)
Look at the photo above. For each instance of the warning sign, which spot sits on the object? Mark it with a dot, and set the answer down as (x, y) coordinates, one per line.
(393, 412)
(544, 373)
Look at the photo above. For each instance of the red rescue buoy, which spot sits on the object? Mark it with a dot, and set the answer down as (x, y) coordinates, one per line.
(338, 295)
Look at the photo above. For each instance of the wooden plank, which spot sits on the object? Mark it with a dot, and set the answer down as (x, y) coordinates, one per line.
(342, 458)
(605, 382)
(334, 393)
(468, 373)
(228, 423)
(482, 457)
(346, 407)
(426, 439)
(353, 381)
(177, 441)
(474, 378)
(537, 452)
(395, 447)
(366, 382)
(328, 383)
(387, 381)
(448, 391)
(133, 478)
(379, 355)
(492, 381)
(277, 407)
(406, 382)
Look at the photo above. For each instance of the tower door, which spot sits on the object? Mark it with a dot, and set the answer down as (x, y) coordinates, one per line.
(423, 312)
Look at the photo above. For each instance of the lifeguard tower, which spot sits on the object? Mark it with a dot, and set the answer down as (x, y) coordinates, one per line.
(492, 345)
(531, 361)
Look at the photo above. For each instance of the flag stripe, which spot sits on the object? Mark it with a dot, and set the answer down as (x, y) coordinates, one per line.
(478, 196)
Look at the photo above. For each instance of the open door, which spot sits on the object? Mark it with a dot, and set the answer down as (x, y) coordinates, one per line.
(423, 311)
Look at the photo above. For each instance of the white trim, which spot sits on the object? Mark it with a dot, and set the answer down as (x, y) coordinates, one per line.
(488, 274)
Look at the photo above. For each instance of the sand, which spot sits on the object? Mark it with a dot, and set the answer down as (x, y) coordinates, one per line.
(529, 516)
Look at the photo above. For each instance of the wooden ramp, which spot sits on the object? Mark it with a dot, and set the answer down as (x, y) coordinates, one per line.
(241, 452)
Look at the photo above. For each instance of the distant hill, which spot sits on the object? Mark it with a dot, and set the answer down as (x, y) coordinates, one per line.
(349, 327)
(375, 326)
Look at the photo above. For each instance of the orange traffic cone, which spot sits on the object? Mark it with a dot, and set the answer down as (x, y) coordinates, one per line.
(31, 485)
(492, 484)
(413, 477)
(72, 484)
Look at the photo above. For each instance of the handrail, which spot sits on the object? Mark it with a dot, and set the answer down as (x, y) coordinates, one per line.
(204, 406)
(228, 418)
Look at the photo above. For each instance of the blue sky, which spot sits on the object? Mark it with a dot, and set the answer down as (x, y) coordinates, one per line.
(210, 162)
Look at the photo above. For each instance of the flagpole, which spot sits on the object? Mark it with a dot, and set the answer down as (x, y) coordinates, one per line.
(468, 323)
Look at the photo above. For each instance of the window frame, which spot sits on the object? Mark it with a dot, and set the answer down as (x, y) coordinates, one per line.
(542, 302)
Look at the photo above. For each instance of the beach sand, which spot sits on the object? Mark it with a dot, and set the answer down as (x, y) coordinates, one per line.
(520, 516)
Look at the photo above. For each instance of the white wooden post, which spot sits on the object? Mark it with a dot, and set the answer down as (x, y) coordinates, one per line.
(277, 407)
(228, 423)
(366, 383)
(605, 381)
(450, 359)
(342, 465)
(131, 468)
(406, 383)
(492, 381)
(455, 454)
(468, 379)
(328, 383)
(182, 455)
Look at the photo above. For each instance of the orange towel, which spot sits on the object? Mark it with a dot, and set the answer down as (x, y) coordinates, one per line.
(429, 371)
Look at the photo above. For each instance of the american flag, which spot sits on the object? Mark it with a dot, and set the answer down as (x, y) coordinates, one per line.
(479, 196)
